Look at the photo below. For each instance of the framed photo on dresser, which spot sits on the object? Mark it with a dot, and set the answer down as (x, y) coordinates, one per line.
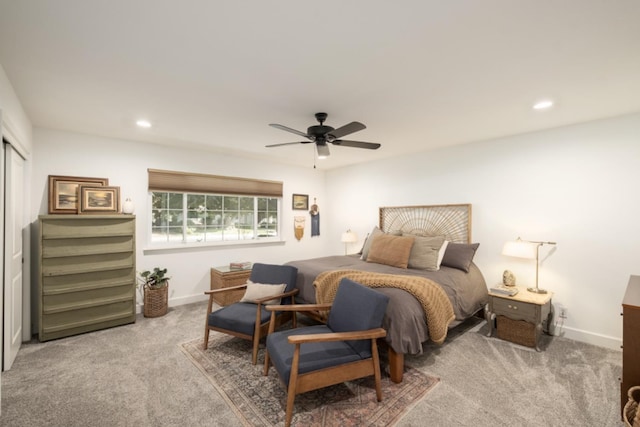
(63, 192)
(98, 200)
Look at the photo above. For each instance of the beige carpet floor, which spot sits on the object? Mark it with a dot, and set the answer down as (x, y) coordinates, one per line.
(138, 375)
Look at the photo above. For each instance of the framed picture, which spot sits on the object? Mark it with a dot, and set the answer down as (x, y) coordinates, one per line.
(300, 202)
(63, 192)
(98, 200)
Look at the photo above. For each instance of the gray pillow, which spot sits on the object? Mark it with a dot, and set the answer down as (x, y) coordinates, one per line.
(367, 244)
(460, 255)
(424, 252)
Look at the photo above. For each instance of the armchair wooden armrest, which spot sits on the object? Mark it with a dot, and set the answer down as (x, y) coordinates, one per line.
(298, 307)
(283, 295)
(221, 290)
(212, 292)
(338, 336)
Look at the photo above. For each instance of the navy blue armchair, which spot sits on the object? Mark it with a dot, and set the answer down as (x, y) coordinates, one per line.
(249, 319)
(344, 349)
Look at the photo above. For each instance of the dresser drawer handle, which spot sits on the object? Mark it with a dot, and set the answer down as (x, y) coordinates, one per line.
(514, 307)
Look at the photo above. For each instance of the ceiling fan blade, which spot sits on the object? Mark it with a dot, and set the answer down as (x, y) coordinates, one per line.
(357, 144)
(288, 143)
(323, 149)
(347, 129)
(287, 129)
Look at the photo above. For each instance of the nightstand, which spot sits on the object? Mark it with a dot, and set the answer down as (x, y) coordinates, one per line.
(519, 318)
(224, 277)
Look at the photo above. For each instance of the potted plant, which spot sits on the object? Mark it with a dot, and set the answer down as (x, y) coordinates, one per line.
(155, 285)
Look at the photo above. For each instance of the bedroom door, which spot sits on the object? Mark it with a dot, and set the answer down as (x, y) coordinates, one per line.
(13, 253)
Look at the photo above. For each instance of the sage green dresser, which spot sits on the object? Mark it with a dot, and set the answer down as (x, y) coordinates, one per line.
(87, 277)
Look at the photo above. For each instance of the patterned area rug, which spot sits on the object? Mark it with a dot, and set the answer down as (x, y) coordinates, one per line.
(261, 401)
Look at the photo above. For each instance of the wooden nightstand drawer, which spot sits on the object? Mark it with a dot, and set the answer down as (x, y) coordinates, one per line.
(515, 310)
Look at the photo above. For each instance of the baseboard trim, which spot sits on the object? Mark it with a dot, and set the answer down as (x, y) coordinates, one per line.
(600, 340)
(174, 302)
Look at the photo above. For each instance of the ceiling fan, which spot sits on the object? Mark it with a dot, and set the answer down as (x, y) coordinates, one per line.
(323, 135)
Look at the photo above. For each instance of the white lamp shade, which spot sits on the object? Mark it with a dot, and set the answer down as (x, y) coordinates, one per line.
(520, 249)
(349, 237)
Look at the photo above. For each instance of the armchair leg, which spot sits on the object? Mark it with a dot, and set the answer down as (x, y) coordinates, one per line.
(265, 372)
(206, 338)
(376, 368)
(256, 336)
(291, 391)
(254, 355)
(206, 322)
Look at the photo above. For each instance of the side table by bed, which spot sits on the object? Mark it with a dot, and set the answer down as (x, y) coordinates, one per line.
(521, 318)
(224, 277)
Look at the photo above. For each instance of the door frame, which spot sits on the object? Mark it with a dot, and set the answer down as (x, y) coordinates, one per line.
(14, 232)
(8, 132)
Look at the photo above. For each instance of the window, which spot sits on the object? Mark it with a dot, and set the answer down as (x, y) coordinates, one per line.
(196, 218)
(196, 208)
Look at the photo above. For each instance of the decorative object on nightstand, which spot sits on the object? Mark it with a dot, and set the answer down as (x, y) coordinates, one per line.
(348, 237)
(508, 278)
(529, 249)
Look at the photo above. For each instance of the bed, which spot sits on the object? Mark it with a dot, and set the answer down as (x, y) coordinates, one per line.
(454, 271)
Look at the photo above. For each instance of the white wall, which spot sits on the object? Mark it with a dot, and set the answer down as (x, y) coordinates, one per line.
(573, 185)
(15, 122)
(125, 163)
(576, 185)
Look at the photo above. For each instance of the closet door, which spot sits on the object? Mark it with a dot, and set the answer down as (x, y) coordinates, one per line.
(13, 254)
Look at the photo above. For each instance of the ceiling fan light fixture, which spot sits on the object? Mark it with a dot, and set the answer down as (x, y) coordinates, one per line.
(322, 135)
(323, 150)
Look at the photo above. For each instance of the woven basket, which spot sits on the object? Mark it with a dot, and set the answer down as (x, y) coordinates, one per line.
(631, 413)
(516, 331)
(156, 301)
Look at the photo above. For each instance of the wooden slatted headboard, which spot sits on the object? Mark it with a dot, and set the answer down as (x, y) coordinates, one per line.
(451, 221)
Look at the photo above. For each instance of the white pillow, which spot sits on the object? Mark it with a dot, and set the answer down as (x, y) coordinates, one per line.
(443, 249)
(256, 291)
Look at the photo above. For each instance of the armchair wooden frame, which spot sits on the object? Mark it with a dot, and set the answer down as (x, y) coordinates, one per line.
(261, 329)
(301, 383)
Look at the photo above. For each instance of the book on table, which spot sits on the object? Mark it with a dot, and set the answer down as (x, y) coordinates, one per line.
(240, 265)
(504, 290)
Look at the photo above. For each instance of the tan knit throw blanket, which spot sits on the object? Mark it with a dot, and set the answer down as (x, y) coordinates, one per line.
(436, 304)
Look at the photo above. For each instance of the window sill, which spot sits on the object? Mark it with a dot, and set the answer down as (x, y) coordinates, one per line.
(177, 247)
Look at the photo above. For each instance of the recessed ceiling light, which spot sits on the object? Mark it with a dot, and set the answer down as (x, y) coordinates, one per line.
(543, 105)
(143, 123)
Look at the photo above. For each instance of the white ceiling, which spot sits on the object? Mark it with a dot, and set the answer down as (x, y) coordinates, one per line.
(420, 74)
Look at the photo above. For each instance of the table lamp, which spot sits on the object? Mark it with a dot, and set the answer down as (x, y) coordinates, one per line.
(528, 249)
(348, 237)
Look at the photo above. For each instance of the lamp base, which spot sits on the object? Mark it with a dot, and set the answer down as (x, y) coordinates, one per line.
(537, 290)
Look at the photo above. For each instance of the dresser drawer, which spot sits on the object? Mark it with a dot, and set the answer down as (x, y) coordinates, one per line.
(515, 310)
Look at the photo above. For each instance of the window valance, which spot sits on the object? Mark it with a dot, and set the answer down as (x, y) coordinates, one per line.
(162, 180)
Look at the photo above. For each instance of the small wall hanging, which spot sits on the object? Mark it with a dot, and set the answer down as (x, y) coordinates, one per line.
(315, 219)
(298, 226)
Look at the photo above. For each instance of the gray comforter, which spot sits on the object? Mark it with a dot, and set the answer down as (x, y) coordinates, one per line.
(405, 320)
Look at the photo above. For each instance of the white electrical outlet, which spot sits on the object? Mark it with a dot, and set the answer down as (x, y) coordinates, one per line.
(562, 311)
